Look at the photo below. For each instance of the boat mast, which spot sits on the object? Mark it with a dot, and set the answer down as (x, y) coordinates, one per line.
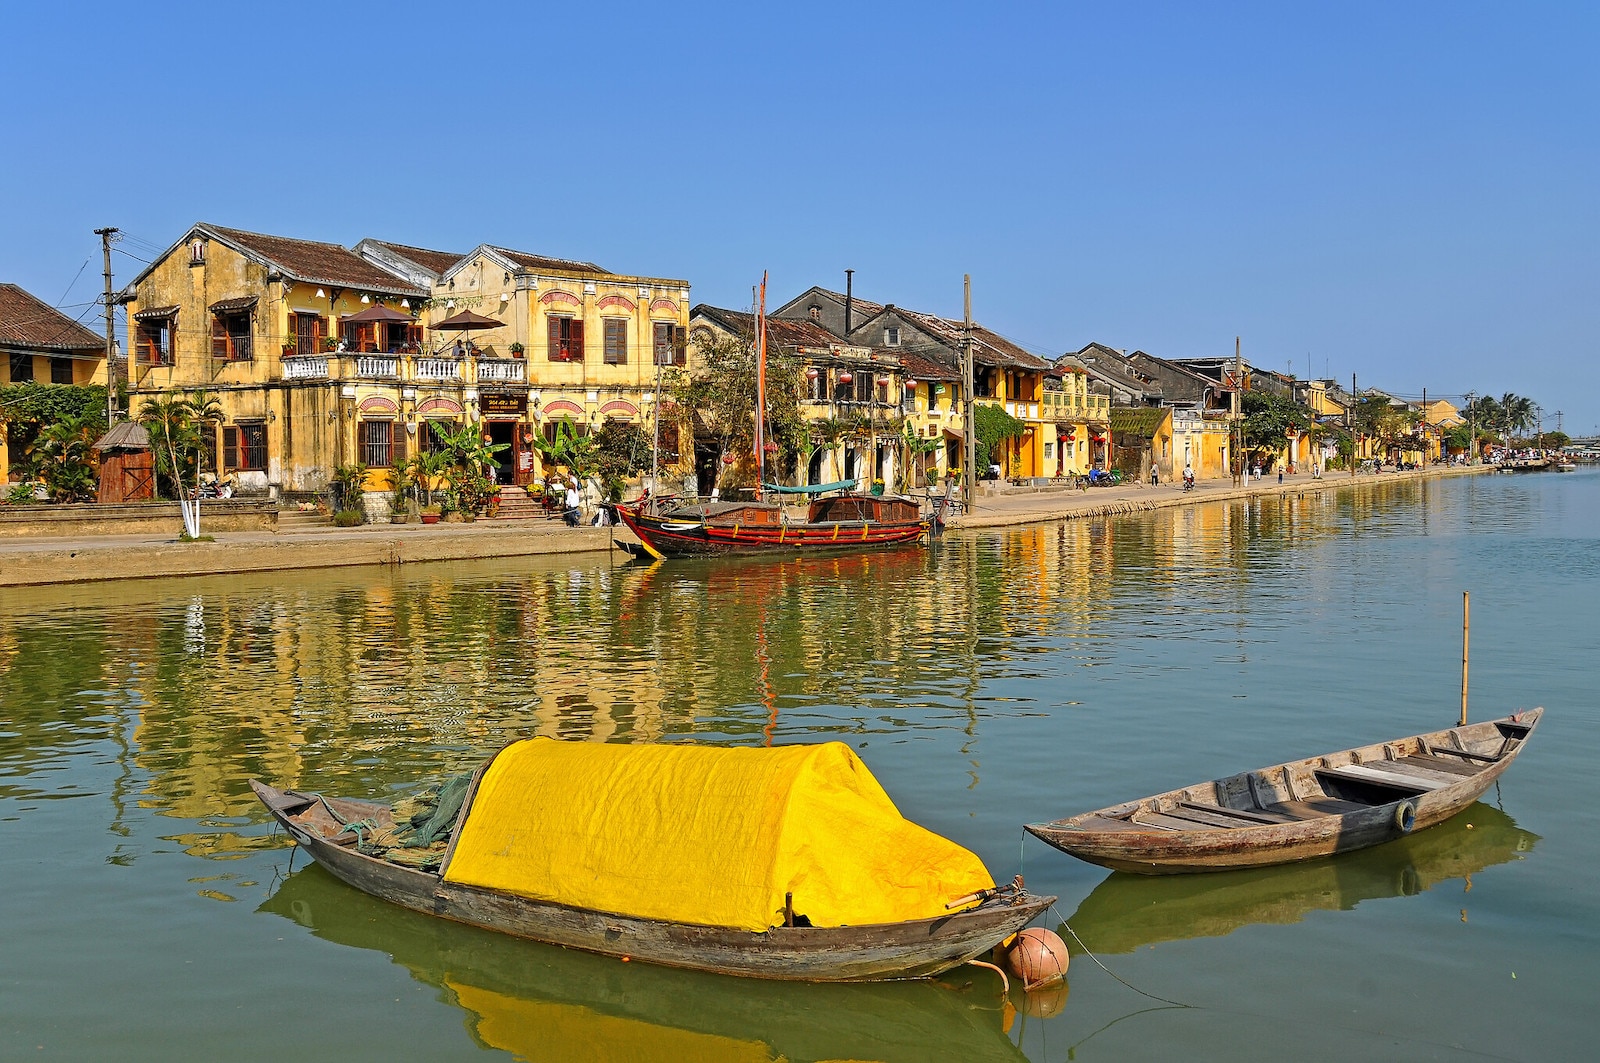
(655, 440)
(761, 388)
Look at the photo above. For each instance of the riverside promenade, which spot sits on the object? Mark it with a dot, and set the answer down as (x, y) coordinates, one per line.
(42, 560)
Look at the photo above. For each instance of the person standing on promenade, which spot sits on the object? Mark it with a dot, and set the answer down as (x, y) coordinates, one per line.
(1155, 476)
(574, 512)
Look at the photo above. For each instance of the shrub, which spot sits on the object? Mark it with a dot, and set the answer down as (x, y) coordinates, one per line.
(348, 518)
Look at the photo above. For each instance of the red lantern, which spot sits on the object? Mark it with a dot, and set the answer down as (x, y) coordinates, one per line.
(845, 377)
(727, 459)
(813, 372)
(771, 448)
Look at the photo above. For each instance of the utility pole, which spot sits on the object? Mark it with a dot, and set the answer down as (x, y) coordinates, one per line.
(1472, 428)
(1352, 424)
(969, 444)
(1238, 412)
(106, 235)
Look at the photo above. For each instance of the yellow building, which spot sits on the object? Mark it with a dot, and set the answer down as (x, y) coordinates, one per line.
(575, 344)
(259, 322)
(1081, 416)
(857, 389)
(41, 344)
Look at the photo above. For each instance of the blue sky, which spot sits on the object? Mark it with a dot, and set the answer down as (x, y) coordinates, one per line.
(1407, 191)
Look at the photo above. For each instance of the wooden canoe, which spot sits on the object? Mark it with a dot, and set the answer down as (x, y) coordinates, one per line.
(1299, 810)
(916, 949)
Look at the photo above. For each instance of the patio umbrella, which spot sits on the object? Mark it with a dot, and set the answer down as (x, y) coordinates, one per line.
(466, 321)
(377, 314)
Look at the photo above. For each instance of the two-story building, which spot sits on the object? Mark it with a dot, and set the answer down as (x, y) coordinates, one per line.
(575, 344)
(1004, 374)
(859, 391)
(39, 343)
(262, 323)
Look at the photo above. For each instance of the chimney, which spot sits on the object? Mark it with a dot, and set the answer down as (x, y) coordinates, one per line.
(849, 278)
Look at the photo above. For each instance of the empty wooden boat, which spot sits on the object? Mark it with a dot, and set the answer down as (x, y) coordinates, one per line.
(787, 863)
(1302, 809)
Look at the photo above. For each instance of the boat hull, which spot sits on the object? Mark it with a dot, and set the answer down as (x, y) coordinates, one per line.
(675, 537)
(1301, 810)
(916, 949)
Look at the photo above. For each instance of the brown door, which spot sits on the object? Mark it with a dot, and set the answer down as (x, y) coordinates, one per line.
(305, 326)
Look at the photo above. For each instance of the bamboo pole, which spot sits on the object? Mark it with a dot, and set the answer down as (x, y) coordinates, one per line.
(1466, 629)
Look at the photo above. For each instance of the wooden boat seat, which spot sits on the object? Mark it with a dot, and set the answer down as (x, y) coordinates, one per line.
(1424, 771)
(1316, 808)
(1249, 815)
(1375, 776)
(1439, 764)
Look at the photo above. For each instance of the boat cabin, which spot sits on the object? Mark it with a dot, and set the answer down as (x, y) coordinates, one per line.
(879, 509)
(731, 514)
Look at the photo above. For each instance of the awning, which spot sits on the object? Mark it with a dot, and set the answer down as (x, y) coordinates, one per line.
(228, 306)
(955, 433)
(155, 313)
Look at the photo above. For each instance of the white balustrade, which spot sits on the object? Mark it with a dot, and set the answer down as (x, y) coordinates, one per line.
(315, 368)
(502, 371)
(368, 365)
(438, 369)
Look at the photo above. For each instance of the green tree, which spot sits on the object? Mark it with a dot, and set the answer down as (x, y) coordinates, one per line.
(177, 421)
(1267, 421)
(64, 458)
(470, 458)
(993, 426)
(723, 391)
(622, 450)
(27, 408)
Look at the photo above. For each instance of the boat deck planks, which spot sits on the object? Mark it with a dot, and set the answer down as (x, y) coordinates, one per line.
(1301, 809)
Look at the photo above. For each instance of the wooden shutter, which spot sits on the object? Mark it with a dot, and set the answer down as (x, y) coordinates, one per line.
(219, 337)
(616, 341)
(230, 448)
(399, 444)
(553, 350)
(576, 346)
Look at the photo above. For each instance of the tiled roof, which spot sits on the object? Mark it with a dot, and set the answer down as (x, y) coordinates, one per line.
(537, 262)
(989, 347)
(26, 321)
(432, 261)
(781, 332)
(858, 305)
(1137, 420)
(921, 367)
(315, 262)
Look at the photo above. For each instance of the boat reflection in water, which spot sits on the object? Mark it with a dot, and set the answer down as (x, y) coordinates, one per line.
(1126, 911)
(545, 1003)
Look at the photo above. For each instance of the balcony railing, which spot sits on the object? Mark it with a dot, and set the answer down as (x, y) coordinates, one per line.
(500, 371)
(307, 368)
(439, 369)
(375, 366)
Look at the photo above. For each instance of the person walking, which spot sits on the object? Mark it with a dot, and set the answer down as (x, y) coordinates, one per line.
(1155, 476)
(574, 510)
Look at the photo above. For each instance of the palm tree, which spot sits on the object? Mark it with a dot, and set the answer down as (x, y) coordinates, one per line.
(177, 421)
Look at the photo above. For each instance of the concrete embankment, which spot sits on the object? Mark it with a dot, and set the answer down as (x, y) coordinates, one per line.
(42, 560)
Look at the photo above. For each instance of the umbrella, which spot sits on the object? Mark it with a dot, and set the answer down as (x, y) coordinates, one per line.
(466, 321)
(377, 313)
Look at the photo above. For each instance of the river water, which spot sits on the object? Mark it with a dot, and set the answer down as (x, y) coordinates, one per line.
(149, 911)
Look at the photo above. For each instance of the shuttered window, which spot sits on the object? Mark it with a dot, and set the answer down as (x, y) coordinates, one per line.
(616, 341)
(669, 348)
(566, 339)
(230, 337)
(244, 448)
(381, 446)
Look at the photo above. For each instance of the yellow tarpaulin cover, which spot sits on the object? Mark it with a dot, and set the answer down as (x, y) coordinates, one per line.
(696, 834)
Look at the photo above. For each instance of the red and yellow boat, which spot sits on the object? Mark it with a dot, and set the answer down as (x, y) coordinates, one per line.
(841, 522)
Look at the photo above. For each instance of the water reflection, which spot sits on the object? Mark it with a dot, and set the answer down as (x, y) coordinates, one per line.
(1126, 911)
(540, 1002)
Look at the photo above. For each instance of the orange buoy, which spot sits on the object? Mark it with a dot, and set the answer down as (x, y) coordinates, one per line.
(1038, 957)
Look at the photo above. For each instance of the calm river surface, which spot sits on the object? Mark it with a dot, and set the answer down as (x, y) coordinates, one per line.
(147, 911)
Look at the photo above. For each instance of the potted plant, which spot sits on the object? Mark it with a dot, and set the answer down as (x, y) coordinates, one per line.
(290, 349)
(431, 514)
(516, 350)
(329, 343)
(400, 488)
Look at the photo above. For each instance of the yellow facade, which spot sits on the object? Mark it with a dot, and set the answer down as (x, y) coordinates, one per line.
(1079, 418)
(590, 341)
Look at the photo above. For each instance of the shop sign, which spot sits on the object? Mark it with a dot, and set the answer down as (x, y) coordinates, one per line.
(494, 404)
